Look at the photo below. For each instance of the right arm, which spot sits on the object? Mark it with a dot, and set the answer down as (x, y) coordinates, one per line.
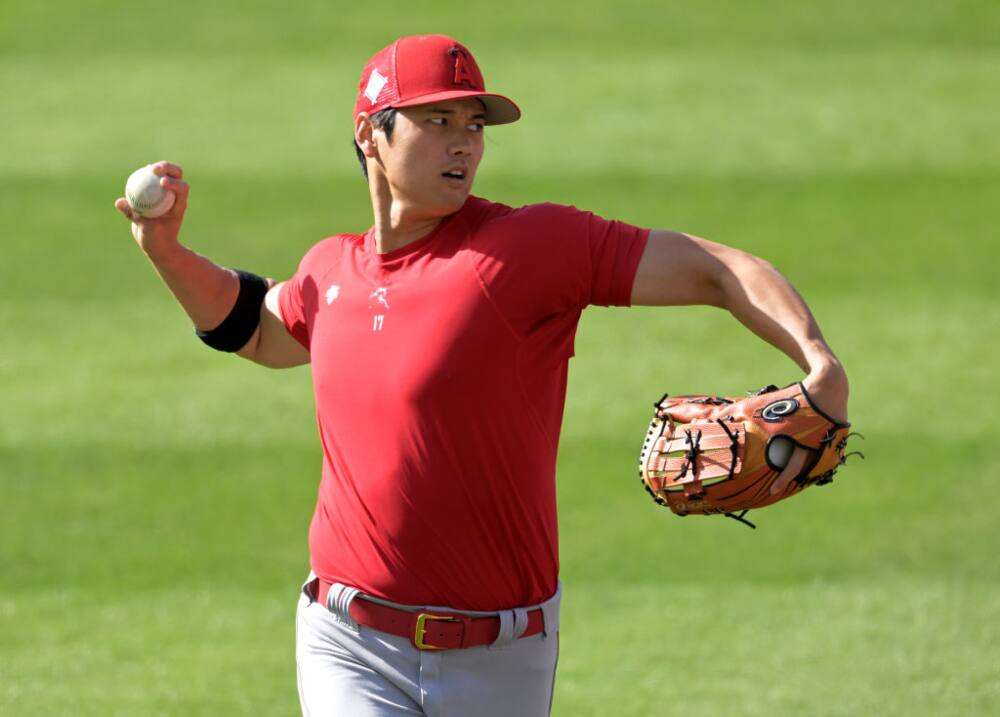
(205, 290)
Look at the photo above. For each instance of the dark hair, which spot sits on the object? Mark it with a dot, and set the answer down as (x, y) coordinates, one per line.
(384, 120)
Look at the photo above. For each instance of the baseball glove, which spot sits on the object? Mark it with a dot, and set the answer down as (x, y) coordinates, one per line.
(720, 455)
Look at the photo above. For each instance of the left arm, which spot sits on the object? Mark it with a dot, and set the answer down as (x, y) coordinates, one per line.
(678, 269)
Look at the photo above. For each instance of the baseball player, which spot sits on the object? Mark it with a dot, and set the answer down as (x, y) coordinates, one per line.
(439, 341)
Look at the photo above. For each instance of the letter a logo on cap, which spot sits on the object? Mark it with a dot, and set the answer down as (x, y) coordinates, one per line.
(462, 74)
(422, 69)
(375, 84)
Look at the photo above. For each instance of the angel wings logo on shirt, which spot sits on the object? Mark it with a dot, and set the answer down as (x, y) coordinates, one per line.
(381, 296)
(332, 293)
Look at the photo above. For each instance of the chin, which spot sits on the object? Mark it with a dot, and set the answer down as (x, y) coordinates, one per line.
(450, 203)
(440, 202)
(458, 203)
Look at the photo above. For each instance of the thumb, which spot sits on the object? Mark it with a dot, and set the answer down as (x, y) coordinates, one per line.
(122, 206)
(791, 469)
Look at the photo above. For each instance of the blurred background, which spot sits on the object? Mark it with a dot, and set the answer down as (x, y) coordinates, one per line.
(155, 495)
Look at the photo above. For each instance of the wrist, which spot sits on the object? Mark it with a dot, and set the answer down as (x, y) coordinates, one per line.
(164, 253)
(828, 385)
(820, 360)
(829, 370)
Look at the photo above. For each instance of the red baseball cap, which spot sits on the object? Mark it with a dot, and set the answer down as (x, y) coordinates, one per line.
(421, 69)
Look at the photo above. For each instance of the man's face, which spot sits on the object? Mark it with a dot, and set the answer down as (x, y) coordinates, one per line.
(433, 155)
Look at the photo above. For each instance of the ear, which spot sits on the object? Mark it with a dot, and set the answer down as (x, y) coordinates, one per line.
(364, 135)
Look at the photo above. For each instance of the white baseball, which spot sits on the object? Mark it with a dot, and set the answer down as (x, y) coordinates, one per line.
(780, 451)
(145, 195)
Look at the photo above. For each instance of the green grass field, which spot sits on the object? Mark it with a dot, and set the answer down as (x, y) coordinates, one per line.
(154, 495)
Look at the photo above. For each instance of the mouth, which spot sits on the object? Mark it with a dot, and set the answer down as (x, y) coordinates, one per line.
(455, 176)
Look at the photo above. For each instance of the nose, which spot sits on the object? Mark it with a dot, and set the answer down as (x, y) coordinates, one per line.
(461, 143)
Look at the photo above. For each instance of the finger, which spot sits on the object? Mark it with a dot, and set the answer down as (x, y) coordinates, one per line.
(792, 469)
(177, 186)
(181, 190)
(121, 204)
(167, 169)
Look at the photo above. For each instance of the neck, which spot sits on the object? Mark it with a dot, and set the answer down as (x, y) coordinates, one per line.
(397, 222)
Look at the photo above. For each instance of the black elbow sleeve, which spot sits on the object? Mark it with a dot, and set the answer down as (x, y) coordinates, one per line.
(244, 318)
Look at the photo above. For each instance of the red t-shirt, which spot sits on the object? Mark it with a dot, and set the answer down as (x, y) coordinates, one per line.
(440, 376)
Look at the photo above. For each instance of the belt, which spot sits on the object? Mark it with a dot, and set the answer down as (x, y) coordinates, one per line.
(430, 629)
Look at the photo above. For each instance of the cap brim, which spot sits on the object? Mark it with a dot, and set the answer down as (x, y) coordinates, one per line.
(499, 109)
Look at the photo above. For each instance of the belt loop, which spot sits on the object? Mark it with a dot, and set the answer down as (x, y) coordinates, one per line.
(338, 602)
(520, 621)
(310, 588)
(550, 609)
(513, 623)
(506, 634)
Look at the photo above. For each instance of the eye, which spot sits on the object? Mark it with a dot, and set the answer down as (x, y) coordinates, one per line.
(439, 120)
(477, 126)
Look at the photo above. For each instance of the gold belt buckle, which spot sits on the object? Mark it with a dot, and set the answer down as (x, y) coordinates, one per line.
(421, 629)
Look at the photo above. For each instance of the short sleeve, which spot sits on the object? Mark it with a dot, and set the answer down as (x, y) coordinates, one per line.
(293, 310)
(547, 260)
(298, 298)
(615, 250)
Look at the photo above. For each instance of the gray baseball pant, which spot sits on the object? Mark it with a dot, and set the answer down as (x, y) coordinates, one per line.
(351, 670)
